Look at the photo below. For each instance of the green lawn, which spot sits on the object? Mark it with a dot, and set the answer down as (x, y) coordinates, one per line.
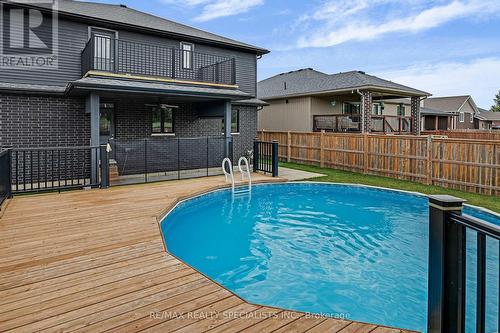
(339, 176)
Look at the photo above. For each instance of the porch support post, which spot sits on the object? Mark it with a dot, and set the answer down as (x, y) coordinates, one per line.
(415, 115)
(92, 107)
(227, 128)
(366, 111)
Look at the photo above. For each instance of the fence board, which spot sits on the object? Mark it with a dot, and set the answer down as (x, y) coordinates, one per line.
(467, 134)
(466, 164)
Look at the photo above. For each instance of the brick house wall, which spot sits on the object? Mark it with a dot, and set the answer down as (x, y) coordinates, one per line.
(43, 121)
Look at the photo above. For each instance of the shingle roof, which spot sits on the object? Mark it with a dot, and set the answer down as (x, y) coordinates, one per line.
(487, 115)
(131, 17)
(308, 81)
(435, 112)
(164, 88)
(449, 103)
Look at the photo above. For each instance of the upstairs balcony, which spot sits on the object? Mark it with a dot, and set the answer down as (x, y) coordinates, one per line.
(122, 57)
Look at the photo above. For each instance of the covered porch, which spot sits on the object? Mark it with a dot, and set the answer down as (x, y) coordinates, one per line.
(367, 111)
(159, 131)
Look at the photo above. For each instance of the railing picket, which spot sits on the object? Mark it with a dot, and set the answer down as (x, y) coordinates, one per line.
(481, 283)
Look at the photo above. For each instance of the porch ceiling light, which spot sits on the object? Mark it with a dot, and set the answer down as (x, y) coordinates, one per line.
(333, 103)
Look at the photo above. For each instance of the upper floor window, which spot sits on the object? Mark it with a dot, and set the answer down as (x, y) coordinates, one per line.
(401, 110)
(461, 117)
(472, 117)
(377, 109)
(187, 55)
(162, 119)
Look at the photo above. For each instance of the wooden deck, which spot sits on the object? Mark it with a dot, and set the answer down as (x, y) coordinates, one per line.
(94, 261)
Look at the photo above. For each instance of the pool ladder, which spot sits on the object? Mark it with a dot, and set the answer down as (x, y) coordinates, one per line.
(244, 168)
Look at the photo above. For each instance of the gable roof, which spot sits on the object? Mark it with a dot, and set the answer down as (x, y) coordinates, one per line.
(121, 14)
(449, 103)
(487, 115)
(309, 82)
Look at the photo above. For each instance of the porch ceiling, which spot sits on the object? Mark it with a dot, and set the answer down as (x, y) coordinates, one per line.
(140, 87)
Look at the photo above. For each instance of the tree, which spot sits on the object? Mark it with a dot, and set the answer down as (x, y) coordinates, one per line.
(496, 106)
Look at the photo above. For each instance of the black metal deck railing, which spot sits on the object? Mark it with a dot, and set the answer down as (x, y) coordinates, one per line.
(57, 168)
(265, 157)
(127, 57)
(5, 188)
(447, 266)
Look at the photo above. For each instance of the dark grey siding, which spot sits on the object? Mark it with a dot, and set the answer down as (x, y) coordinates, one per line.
(72, 40)
(73, 37)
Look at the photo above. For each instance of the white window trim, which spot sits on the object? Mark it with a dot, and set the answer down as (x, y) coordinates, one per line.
(461, 117)
(471, 117)
(182, 55)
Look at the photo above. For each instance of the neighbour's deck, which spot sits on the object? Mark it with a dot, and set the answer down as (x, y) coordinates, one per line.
(93, 261)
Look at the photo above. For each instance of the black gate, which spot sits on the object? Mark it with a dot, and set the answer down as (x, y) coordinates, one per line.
(5, 188)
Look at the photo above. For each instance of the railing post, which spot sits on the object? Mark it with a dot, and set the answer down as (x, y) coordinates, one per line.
(275, 158)
(255, 155)
(288, 147)
(446, 292)
(173, 62)
(233, 63)
(104, 166)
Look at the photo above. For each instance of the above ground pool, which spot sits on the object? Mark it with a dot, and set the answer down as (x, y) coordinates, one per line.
(346, 251)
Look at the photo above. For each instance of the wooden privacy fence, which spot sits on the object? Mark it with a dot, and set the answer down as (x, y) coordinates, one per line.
(467, 165)
(467, 134)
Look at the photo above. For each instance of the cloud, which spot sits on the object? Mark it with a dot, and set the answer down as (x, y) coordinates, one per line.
(478, 78)
(354, 22)
(213, 9)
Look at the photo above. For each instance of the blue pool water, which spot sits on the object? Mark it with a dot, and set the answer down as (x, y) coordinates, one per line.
(346, 251)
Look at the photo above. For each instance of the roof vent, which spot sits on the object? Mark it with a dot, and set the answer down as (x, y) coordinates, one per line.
(123, 6)
(284, 85)
(361, 72)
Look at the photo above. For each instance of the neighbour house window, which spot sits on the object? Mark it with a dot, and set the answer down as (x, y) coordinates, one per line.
(472, 117)
(235, 122)
(351, 108)
(401, 109)
(187, 55)
(377, 109)
(461, 117)
(162, 119)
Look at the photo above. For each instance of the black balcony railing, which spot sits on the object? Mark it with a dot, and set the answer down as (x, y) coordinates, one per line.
(126, 57)
(5, 171)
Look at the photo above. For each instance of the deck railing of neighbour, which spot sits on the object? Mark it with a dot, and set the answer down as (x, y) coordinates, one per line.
(5, 170)
(266, 157)
(468, 165)
(448, 240)
(58, 168)
(126, 57)
(468, 134)
(391, 124)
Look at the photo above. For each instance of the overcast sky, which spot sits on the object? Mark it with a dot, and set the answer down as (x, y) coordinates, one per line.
(441, 46)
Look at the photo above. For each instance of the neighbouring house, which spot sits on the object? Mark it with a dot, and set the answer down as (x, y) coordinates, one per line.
(127, 76)
(309, 100)
(487, 120)
(461, 108)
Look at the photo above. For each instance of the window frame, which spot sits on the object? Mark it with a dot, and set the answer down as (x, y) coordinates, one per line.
(377, 109)
(163, 109)
(471, 117)
(351, 104)
(183, 53)
(237, 122)
(401, 110)
(461, 117)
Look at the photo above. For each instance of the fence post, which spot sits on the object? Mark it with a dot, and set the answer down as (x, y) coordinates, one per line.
(289, 147)
(255, 155)
(365, 153)
(275, 158)
(104, 166)
(321, 149)
(446, 292)
(429, 160)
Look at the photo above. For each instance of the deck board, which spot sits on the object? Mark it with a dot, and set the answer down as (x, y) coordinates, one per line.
(94, 261)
